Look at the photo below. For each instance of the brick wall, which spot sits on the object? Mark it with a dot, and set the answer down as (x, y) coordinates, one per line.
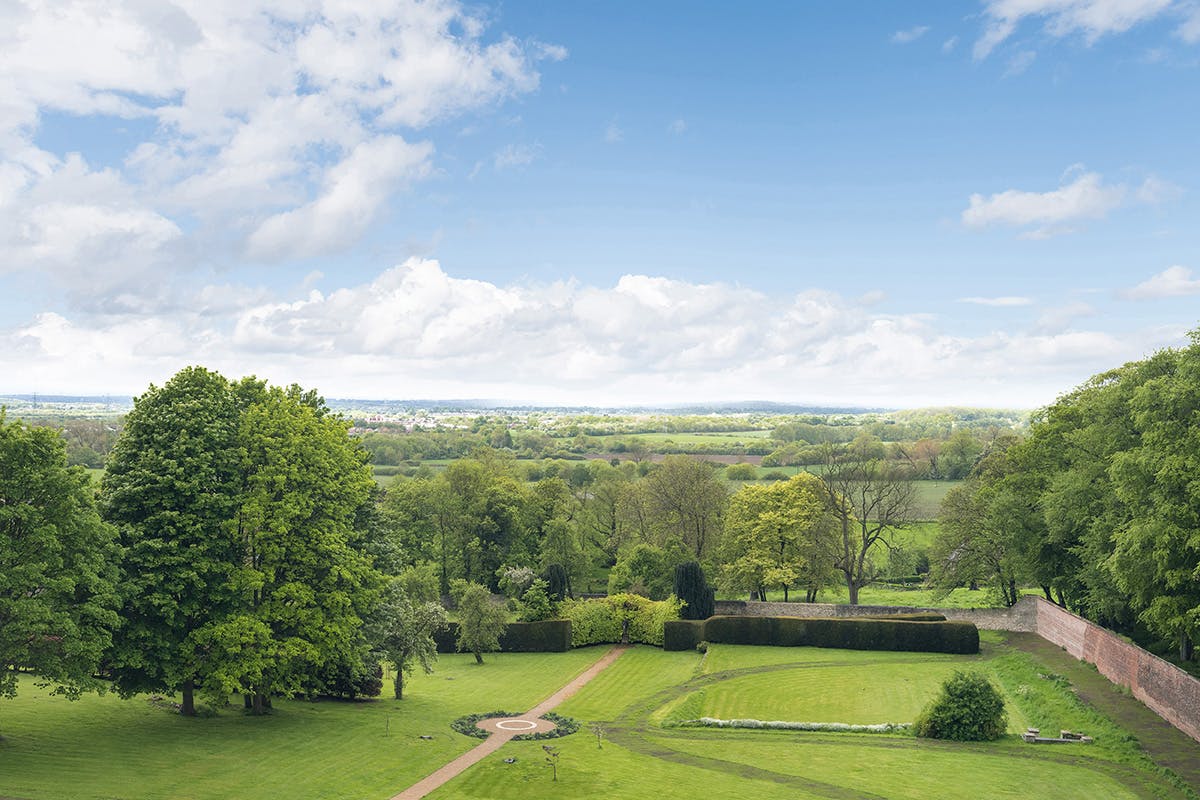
(1165, 689)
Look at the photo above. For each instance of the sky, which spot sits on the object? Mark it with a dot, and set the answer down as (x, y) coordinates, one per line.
(599, 203)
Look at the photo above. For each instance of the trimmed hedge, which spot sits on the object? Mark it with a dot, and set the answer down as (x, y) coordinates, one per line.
(849, 634)
(547, 636)
(683, 634)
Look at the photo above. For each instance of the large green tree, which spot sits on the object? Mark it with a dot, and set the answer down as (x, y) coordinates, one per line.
(58, 564)
(782, 535)
(171, 487)
(238, 505)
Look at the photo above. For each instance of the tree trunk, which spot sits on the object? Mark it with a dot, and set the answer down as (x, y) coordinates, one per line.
(478, 657)
(853, 587)
(247, 701)
(188, 707)
(1186, 649)
(1046, 591)
(785, 593)
(1012, 592)
(1062, 601)
(259, 704)
(398, 683)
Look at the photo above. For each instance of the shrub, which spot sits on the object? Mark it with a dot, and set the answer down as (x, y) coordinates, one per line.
(556, 582)
(603, 619)
(535, 604)
(968, 709)
(741, 472)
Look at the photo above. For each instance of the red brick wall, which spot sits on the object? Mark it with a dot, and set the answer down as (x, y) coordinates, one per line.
(1166, 689)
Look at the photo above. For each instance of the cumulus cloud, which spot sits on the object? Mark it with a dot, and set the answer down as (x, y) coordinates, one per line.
(1173, 281)
(281, 130)
(1048, 213)
(415, 331)
(1093, 19)
(910, 34)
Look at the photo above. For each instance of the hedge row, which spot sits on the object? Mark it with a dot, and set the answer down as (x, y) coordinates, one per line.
(914, 616)
(547, 636)
(850, 634)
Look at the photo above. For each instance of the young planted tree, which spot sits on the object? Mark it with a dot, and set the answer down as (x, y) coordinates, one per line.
(58, 573)
(406, 628)
(480, 621)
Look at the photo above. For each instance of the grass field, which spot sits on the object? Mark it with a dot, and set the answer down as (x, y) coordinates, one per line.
(103, 747)
(641, 758)
(106, 748)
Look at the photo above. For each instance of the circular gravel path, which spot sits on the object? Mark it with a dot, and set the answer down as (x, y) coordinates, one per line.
(515, 725)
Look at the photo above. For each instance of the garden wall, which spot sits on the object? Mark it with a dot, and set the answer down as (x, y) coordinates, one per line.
(1165, 689)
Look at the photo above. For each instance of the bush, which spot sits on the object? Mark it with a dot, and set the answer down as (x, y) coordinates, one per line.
(969, 709)
(741, 472)
(850, 634)
(535, 604)
(602, 619)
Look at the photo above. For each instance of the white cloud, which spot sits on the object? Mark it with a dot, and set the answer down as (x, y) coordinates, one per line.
(262, 116)
(1057, 319)
(1189, 31)
(613, 133)
(997, 302)
(354, 191)
(949, 45)
(1173, 281)
(416, 331)
(677, 127)
(1086, 197)
(910, 34)
(1091, 18)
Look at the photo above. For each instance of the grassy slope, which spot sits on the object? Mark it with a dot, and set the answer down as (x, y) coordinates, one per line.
(104, 747)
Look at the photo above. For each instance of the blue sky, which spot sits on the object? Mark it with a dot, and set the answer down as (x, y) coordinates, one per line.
(885, 204)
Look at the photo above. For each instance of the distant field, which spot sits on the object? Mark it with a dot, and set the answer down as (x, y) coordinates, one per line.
(721, 439)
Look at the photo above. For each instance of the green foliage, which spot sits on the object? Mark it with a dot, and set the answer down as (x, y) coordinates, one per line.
(535, 604)
(481, 622)
(646, 570)
(556, 583)
(243, 513)
(604, 619)
(404, 633)
(779, 535)
(692, 589)
(851, 634)
(58, 577)
(968, 709)
(741, 472)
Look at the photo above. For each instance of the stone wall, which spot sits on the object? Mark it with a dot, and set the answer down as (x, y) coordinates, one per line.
(1166, 689)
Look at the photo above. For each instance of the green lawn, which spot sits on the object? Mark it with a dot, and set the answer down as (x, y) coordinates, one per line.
(640, 758)
(105, 748)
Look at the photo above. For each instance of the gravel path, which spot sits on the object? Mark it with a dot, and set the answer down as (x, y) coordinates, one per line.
(496, 740)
